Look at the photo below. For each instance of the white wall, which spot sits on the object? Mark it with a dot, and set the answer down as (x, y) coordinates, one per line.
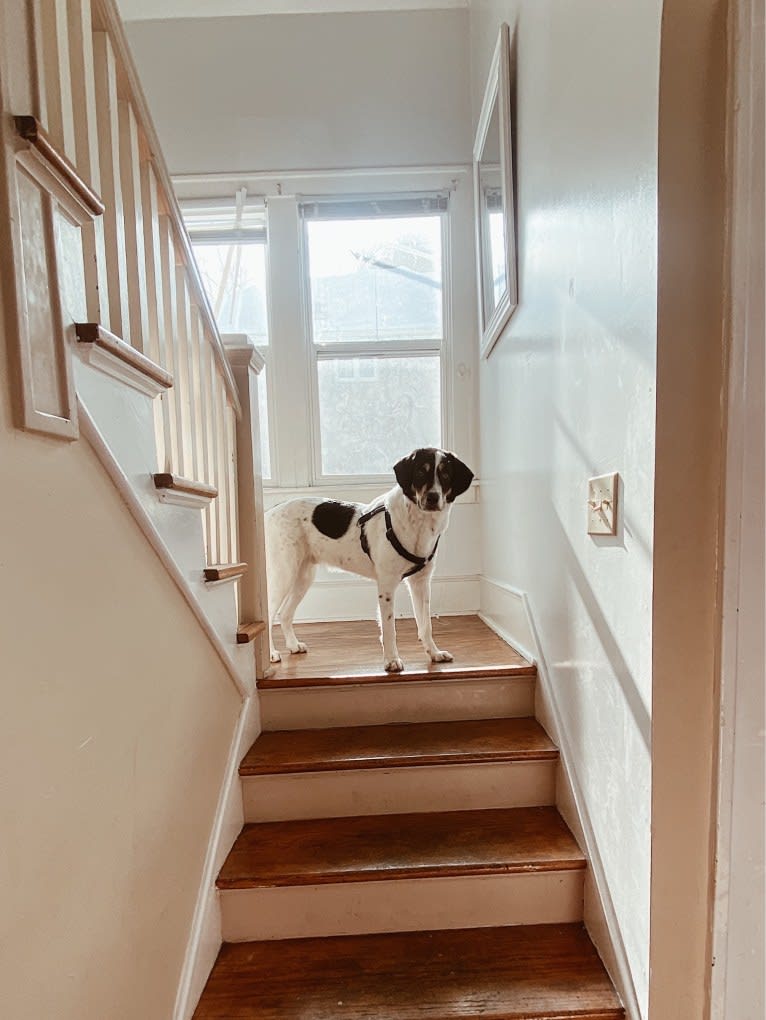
(291, 92)
(112, 696)
(568, 393)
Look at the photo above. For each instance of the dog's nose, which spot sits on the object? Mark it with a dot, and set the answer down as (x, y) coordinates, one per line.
(432, 498)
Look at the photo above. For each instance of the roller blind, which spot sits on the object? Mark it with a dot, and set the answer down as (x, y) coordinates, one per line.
(371, 207)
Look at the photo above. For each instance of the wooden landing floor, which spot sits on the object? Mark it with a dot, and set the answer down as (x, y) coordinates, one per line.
(350, 652)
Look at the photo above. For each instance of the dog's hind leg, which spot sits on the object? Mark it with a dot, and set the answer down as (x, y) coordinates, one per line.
(276, 598)
(281, 570)
(300, 586)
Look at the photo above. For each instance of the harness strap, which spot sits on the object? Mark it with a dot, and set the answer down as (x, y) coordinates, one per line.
(419, 561)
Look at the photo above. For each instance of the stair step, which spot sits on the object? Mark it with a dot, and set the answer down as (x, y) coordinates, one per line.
(541, 972)
(312, 852)
(224, 571)
(349, 653)
(248, 632)
(412, 671)
(375, 747)
(396, 769)
(183, 491)
(400, 872)
(438, 698)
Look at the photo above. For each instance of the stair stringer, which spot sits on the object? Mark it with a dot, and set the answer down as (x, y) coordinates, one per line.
(157, 523)
(600, 916)
(118, 422)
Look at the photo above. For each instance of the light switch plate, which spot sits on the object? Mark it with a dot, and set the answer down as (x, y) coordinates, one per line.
(602, 505)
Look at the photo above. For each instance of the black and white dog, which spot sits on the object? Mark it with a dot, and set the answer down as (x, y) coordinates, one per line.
(393, 538)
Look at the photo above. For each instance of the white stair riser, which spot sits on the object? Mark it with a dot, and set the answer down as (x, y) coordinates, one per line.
(399, 790)
(413, 701)
(356, 908)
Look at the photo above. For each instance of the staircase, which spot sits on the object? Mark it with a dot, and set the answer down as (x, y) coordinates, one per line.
(402, 856)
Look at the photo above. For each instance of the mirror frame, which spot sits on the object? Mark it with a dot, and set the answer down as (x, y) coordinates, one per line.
(498, 86)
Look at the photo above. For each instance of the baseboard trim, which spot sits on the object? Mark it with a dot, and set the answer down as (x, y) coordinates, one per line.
(345, 599)
(205, 938)
(604, 929)
(503, 610)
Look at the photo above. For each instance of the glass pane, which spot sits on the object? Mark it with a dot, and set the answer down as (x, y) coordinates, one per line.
(263, 420)
(234, 276)
(373, 411)
(376, 279)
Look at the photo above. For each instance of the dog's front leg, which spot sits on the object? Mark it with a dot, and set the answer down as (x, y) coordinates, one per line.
(420, 593)
(391, 661)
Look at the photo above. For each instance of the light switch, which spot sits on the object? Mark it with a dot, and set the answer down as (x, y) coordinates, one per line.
(602, 505)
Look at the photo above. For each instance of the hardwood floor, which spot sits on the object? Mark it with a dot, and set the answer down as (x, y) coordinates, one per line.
(542, 972)
(372, 747)
(349, 652)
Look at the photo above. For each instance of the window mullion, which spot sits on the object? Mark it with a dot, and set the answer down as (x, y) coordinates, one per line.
(288, 360)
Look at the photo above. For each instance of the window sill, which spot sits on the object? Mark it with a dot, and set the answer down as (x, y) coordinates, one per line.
(355, 492)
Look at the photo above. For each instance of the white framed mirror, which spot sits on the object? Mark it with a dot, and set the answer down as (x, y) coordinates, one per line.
(493, 190)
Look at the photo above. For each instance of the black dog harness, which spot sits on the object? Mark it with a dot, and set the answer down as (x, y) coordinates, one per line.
(419, 561)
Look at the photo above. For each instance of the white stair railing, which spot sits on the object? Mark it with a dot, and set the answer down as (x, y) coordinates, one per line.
(92, 211)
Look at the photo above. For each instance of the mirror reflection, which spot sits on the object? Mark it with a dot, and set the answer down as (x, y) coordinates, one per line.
(493, 191)
(494, 263)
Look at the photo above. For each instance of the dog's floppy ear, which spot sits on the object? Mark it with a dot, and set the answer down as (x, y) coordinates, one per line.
(404, 470)
(462, 476)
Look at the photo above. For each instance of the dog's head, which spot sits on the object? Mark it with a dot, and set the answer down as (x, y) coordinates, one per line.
(431, 478)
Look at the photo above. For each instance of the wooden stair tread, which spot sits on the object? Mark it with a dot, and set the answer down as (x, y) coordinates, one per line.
(383, 847)
(349, 653)
(539, 972)
(249, 631)
(166, 480)
(95, 333)
(401, 744)
(224, 571)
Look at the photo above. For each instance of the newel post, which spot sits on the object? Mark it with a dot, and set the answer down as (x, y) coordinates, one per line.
(246, 365)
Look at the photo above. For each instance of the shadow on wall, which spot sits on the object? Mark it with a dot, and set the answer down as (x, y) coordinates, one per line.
(606, 638)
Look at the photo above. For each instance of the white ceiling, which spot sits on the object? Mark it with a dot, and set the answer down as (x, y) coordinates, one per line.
(140, 10)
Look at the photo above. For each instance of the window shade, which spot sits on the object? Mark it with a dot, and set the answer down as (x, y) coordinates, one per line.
(371, 207)
(225, 220)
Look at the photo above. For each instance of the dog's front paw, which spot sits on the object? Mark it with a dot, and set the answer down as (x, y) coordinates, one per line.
(437, 656)
(299, 648)
(275, 657)
(393, 666)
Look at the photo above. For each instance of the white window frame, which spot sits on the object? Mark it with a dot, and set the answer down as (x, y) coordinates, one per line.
(291, 364)
(441, 348)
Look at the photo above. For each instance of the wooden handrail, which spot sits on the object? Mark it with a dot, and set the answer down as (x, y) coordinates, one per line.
(106, 17)
(93, 333)
(30, 129)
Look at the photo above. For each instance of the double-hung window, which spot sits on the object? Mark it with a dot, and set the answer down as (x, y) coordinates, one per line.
(374, 295)
(354, 292)
(229, 241)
